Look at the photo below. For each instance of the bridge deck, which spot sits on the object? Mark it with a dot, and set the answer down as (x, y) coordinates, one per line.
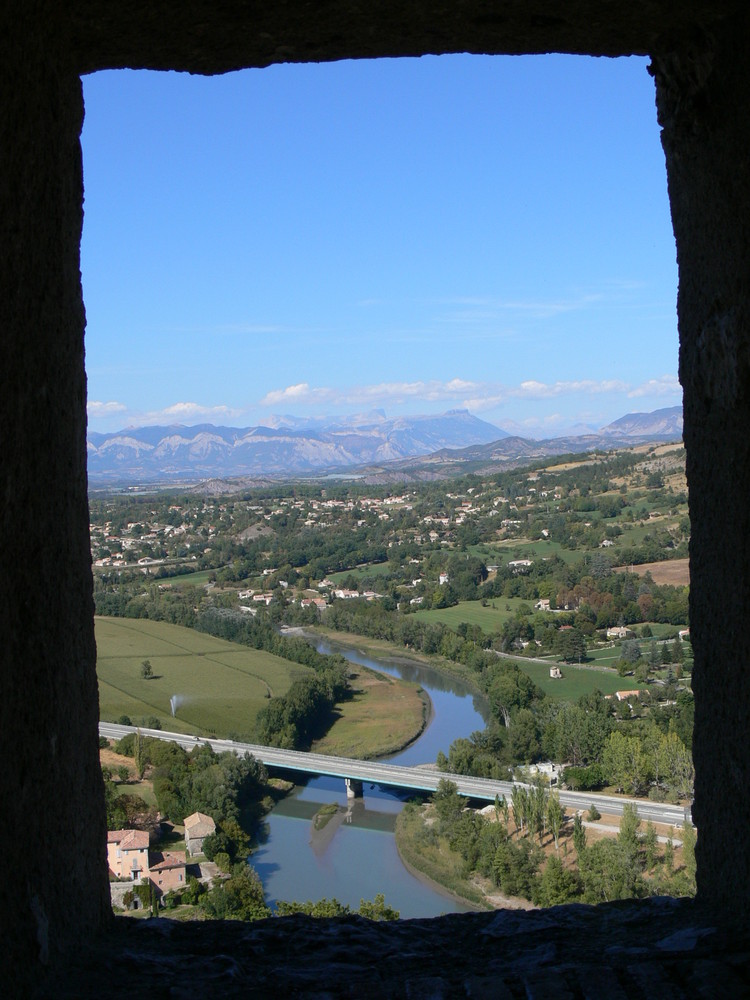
(423, 778)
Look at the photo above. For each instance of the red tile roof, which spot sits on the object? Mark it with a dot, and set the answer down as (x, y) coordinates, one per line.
(129, 840)
(176, 859)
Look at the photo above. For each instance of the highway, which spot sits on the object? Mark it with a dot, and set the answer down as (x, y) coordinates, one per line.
(423, 779)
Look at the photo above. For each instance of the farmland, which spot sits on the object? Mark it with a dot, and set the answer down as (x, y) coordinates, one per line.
(221, 685)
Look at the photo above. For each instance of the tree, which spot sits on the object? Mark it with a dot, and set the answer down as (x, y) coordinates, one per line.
(650, 842)
(147, 670)
(688, 851)
(321, 908)
(140, 753)
(669, 854)
(223, 862)
(625, 763)
(555, 816)
(630, 651)
(519, 804)
(377, 909)
(675, 765)
(238, 898)
(629, 825)
(579, 835)
(654, 657)
(448, 803)
(610, 870)
(557, 885)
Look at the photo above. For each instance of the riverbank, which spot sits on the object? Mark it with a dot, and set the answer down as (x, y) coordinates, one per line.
(427, 860)
(380, 649)
(383, 716)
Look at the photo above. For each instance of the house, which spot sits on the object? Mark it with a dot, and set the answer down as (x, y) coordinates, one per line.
(620, 632)
(314, 602)
(555, 673)
(542, 605)
(127, 853)
(517, 565)
(443, 579)
(627, 695)
(198, 826)
(167, 871)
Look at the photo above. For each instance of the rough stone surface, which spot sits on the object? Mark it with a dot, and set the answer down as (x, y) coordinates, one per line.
(53, 831)
(659, 949)
(52, 839)
(206, 37)
(703, 94)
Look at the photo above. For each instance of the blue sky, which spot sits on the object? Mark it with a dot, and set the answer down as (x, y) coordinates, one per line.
(416, 235)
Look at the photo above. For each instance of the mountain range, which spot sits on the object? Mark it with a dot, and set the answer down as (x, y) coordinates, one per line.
(371, 441)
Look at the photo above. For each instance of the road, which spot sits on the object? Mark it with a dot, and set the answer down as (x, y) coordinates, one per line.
(423, 779)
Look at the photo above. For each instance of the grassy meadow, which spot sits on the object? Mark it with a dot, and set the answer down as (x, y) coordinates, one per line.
(576, 681)
(383, 715)
(358, 572)
(221, 684)
(488, 618)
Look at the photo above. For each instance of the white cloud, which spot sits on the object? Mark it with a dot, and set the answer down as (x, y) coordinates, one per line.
(665, 385)
(490, 402)
(381, 392)
(97, 409)
(472, 395)
(190, 411)
(300, 393)
(584, 387)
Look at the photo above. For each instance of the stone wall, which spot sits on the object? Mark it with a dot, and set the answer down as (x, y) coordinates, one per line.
(52, 839)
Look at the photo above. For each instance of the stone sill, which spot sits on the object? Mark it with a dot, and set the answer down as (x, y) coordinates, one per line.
(658, 948)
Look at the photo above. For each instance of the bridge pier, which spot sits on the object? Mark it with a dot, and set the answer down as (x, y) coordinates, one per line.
(353, 788)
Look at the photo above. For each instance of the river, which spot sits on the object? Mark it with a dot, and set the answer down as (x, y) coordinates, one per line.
(354, 855)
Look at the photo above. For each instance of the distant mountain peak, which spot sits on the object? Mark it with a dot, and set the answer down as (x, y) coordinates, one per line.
(281, 446)
(666, 422)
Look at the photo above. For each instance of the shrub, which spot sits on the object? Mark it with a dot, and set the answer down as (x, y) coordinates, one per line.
(223, 862)
(584, 778)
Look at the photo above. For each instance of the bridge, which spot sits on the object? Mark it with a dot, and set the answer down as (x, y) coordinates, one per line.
(423, 778)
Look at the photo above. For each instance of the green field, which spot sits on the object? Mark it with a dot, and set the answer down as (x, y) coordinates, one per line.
(576, 681)
(197, 579)
(371, 569)
(489, 618)
(504, 551)
(222, 684)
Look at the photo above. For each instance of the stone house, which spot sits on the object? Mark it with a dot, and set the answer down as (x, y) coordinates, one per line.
(198, 826)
